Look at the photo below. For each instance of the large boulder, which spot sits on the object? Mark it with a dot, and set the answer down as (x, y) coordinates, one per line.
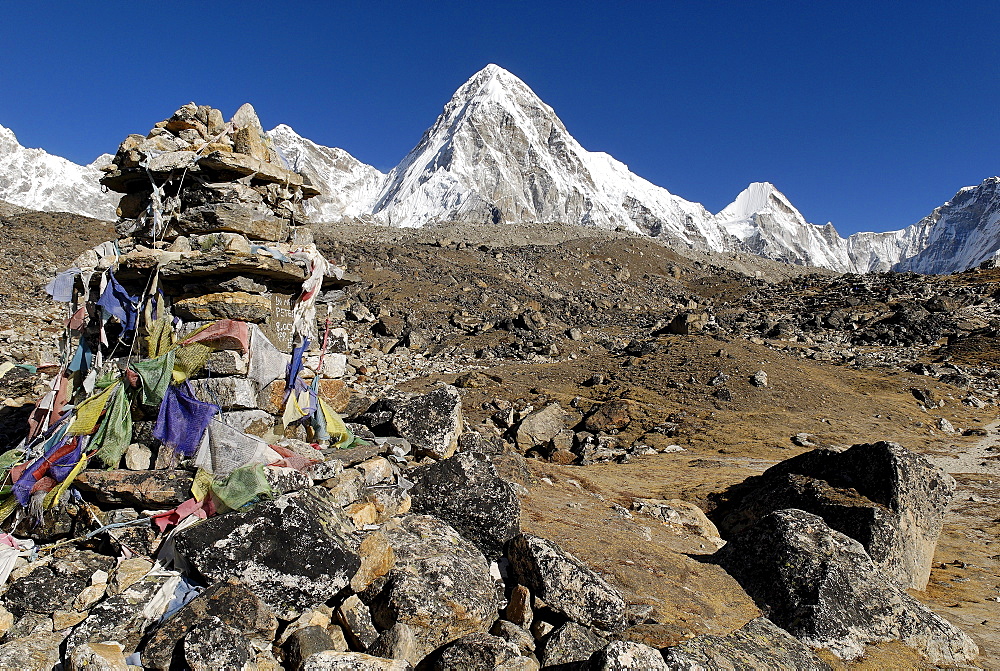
(352, 661)
(565, 583)
(482, 652)
(466, 492)
(759, 644)
(628, 656)
(431, 422)
(230, 603)
(822, 587)
(571, 643)
(540, 426)
(294, 552)
(890, 500)
(56, 584)
(440, 586)
(212, 644)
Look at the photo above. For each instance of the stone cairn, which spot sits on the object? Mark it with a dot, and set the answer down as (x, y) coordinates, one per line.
(212, 206)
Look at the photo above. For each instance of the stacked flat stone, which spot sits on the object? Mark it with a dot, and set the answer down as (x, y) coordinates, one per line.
(214, 207)
(206, 176)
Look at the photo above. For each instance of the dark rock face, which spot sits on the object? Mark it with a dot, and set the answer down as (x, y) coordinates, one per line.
(306, 642)
(440, 586)
(890, 500)
(466, 492)
(481, 652)
(431, 422)
(54, 586)
(565, 583)
(118, 618)
(823, 588)
(759, 644)
(228, 602)
(570, 643)
(213, 644)
(294, 552)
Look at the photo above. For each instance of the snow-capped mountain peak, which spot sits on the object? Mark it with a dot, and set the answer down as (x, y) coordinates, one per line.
(37, 180)
(348, 186)
(498, 153)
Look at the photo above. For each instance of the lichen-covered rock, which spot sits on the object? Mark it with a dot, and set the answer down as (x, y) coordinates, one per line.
(212, 644)
(759, 644)
(823, 588)
(119, 617)
(97, 657)
(628, 656)
(352, 661)
(512, 633)
(570, 643)
(440, 586)
(680, 515)
(565, 583)
(229, 602)
(356, 619)
(466, 492)
(294, 552)
(431, 422)
(890, 500)
(482, 652)
(39, 651)
(54, 585)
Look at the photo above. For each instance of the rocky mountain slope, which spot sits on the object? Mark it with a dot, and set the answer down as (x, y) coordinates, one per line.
(498, 154)
(38, 180)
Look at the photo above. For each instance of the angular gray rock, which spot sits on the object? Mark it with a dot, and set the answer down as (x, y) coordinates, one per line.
(229, 602)
(440, 585)
(570, 643)
(482, 652)
(431, 422)
(304, 643)
(294, 552)
(758, 644)
(212, 644)
(396, 642)
(352, 661)
(512, 633)
(39, 651)
(54, 585)
(880, 494)
(627, 656)
(540, 427)
(565, 583)
(823, 588)
(466, 492)
(118, 618)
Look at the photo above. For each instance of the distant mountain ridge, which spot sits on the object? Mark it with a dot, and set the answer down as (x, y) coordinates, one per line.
(497, 154)
(37, 180)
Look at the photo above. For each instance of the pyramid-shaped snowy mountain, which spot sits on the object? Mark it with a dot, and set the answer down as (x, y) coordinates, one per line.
(497, 153)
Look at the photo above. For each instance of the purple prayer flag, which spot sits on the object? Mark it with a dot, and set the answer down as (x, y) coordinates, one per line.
(183, 419)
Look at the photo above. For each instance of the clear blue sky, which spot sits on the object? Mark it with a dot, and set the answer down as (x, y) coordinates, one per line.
(866, 114)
